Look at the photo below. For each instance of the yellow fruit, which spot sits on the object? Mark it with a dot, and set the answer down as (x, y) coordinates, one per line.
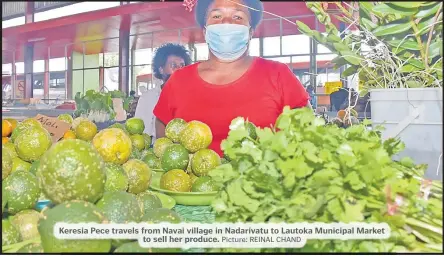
(65, 118)
(160, 145)
(5, 140)
(13, 122)
(86, 130)
(20, 165)
(26, 124)
(139, 176)
(11, 149)
(32, 143)
(174, 128)
(114, 145)
(176, 180)
(138, 141)
(69, 135)
(77, 121)
(31, 122)
(195, 136)
(203, 161)
(6, 128)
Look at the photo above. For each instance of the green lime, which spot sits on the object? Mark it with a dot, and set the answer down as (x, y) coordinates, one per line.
(174, 128)
(204, 184)
(135, 125)
(175, 157)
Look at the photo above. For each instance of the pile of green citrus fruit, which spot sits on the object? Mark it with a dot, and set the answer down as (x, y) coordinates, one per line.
(183, 157)
(87, 176)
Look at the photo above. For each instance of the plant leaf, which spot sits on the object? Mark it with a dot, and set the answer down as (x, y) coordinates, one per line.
(365, 9)
(351, 57)
(427, 10)
(405, 5)
(391, 9)
(368, 24)
(339, 61)
(304, 28)
(319, 37)
(340, 18)
(392, 29)
(416, 63)
(435, 49)
(349, 71)
(406, 44)
(341, 47)
(407, 68)
(414, 84)
(425, 25)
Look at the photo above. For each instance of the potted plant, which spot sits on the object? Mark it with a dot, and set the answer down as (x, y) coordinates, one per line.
(395, 49)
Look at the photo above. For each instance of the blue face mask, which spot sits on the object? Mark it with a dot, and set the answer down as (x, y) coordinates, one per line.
(228, 42)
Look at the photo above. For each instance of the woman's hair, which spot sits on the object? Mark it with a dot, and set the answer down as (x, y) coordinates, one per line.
(163, 52)
(255, 16)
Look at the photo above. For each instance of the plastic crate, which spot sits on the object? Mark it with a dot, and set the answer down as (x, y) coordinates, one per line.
(331, 87)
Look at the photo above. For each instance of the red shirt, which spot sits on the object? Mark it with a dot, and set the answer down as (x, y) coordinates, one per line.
(259, 95)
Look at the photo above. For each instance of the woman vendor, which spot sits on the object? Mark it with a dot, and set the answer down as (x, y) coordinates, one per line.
(230, 83)
(167, 59)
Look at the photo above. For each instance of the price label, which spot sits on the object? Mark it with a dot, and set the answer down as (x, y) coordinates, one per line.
(54, 126)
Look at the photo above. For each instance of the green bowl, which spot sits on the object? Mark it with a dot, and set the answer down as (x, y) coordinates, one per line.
(167, 201)
(183, 198)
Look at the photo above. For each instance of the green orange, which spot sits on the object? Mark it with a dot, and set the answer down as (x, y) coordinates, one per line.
(152, 161)
(160, 145)
(139, 176)
(20, 165)
(116, 179)
(174, 128)
(204, 184)
(32, 143)
(66, 118)
(22, 191)
(114, 145)
(86, 130)
(6, 162)
(135, 125)
(147, 140)
(138, 141)
(24, 125)
(73, 212)
(203, 161)
(175, 157)
(72, 170)
(176, 180)
(195, 136)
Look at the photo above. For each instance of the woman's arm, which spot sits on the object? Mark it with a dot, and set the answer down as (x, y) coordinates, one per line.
(292, 91)
(160, 129)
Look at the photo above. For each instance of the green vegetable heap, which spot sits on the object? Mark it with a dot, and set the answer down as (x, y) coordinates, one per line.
(98, 103)
(303, 170)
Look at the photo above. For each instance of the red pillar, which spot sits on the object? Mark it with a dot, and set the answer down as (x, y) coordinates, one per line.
(101, 78)
(46, 80)
(68, 77)
(124, 52)
(29, 53)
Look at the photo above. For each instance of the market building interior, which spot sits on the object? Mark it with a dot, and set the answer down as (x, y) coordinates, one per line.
(52, 50)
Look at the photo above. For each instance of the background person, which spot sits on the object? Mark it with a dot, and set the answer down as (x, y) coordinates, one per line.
(167, 59)
(231, 83)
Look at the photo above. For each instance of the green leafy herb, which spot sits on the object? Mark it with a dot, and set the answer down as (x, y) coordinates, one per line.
(303, 170)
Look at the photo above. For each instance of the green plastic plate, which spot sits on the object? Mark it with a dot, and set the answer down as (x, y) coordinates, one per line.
(167, 201)
(183, 198)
